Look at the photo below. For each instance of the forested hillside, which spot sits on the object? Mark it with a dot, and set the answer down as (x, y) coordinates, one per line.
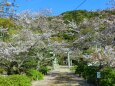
(26, 41)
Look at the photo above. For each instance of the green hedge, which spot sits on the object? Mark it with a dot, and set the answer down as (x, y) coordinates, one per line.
(15, 80)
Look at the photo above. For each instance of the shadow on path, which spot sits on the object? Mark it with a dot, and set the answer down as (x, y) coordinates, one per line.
(62, 76)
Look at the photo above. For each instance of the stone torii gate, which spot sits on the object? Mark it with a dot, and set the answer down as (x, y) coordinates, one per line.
(55, 63)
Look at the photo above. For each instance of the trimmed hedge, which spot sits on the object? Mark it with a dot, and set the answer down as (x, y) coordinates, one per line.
(15, 80)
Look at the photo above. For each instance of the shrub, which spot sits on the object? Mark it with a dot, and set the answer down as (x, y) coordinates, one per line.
(30, 64)
(108, 77)
(19, 80)
(34, 74)
(44, 70)
(73, 68)
(80, 67)
(87, 72)
(15, 80)
(1, 70)
(4, 81)
(90, 73)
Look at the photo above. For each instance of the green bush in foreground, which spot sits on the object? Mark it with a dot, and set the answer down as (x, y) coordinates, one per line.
(34, 74)
(4, 81)
(108, 77)
(89, 73)
(15, 80)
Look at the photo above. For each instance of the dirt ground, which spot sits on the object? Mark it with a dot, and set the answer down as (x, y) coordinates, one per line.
(61, 76)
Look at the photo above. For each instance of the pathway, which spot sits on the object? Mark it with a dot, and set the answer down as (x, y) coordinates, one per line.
(62, 76)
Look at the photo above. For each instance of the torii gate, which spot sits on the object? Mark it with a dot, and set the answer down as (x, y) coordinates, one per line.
(66, 50)
(54, 62)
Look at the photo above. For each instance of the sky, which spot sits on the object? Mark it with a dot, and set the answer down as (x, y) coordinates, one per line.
(60, 6)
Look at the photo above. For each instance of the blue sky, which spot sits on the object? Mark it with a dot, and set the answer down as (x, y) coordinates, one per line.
(60, 6)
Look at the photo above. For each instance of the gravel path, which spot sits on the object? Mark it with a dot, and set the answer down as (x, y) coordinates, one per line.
(61, 77)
